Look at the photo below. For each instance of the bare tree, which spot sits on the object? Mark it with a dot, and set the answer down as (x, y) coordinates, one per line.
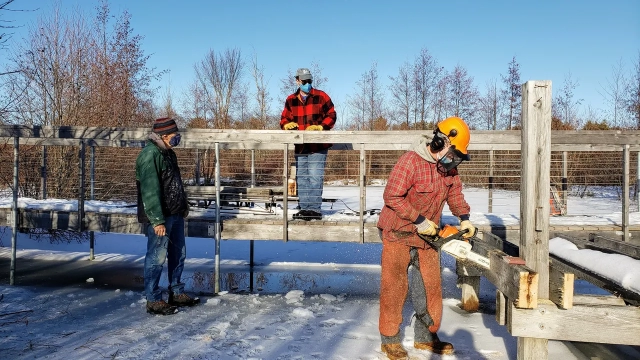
(425, 77)
(565, 106)
(220, 76)
(489, 105)
(401, 89)
(367, 106)
(463, 95)
(441, 96)
(5, 25)
(512, 94)
(633, 92)
(262, 93)
(614, 94)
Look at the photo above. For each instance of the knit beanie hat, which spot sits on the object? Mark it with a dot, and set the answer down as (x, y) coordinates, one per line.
(164, 126)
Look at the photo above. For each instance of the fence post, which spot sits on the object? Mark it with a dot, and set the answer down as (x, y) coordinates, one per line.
(534, 197)
(362, 191)
(92, 235)
(638, 180)
(285, 194)
(253, 168)
(14, 210)
(625, 193)
(565, 181)
(491, 164)
(43, 173)
(81, 164)
(197, 170)
(217, 226)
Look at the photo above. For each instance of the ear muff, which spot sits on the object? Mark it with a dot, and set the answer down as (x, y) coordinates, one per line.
(438, 141)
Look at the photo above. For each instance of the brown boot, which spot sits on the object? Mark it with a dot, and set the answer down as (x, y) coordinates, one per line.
(395, 351)
(436, 346)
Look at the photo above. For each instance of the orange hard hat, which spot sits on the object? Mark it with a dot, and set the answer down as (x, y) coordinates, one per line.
(458, 133)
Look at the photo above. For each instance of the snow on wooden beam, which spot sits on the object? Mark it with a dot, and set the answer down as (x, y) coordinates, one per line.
(585, 323)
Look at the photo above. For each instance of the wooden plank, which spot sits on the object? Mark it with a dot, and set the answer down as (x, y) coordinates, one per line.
(517, 282)
(585, 323)
(501, 308)
(595, 279)
(589, 299)
(273, 139)
(300, 231)
(561, 288)
(470, 286)
(620, 247)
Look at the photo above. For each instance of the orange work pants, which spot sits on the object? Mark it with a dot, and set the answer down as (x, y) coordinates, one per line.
(394, 285)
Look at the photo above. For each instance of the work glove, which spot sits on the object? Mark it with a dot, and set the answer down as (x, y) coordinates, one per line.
(466, 224)
(427, 227)
(314, 128)
(186, 210)
(290, 126)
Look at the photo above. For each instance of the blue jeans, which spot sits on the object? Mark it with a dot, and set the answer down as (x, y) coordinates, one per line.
(171, 246)
(310, 177)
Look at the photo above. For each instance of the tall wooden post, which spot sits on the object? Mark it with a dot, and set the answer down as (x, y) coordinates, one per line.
(491, 164)
(534, 198)
(14, 209)
(625, 192)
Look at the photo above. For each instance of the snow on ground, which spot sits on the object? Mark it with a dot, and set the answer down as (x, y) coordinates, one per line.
(310, 300)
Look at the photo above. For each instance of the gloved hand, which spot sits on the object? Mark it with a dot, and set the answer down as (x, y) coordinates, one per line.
(314, 128)
(290, 126)
(427, 227)
(186, 210)
(466, 224)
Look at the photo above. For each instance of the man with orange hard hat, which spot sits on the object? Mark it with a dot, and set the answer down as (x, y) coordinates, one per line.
(422, 180)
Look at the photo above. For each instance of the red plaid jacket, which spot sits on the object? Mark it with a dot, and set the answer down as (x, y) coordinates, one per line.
(316, 110)
(415, 187)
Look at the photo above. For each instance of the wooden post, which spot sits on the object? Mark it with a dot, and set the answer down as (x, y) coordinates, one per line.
(43, 173)
(81, 170)
(565, 181)
(625, 193)
(534, 197)
(14, 210)
(490, 181)
(362, 191)
(92, 177)
(638, 180)
(285, 195)
(218, 233)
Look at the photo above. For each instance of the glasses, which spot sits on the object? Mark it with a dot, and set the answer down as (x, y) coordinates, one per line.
(305, 82)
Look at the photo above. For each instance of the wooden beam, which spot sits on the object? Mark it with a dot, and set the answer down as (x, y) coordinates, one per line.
(517, 282)
(586, 323)
(470, 286)
(589, 299)
(595, 279)
(617, 246)
(501, 308)
(561, 288)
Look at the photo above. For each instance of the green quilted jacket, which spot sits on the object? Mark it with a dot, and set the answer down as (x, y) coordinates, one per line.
(159, 184)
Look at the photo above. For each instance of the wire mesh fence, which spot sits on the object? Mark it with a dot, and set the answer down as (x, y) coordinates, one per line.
(53, 172)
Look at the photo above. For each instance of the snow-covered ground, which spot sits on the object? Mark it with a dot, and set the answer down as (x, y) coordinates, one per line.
(311, 300)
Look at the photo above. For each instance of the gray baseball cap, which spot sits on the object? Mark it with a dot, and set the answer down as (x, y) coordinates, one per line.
(304, 74)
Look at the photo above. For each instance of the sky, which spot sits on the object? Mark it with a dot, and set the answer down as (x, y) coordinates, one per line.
(313, 300)
(550, 39)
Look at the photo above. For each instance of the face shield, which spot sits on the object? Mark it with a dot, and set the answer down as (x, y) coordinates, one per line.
(450, 160)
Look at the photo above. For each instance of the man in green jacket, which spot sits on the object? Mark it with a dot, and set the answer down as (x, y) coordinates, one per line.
(162, 206)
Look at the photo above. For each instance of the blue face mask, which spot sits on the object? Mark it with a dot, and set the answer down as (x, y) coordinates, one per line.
(305, 88)
(175, 141)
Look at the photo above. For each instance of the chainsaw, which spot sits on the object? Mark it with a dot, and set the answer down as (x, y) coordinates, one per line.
(450, 240)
